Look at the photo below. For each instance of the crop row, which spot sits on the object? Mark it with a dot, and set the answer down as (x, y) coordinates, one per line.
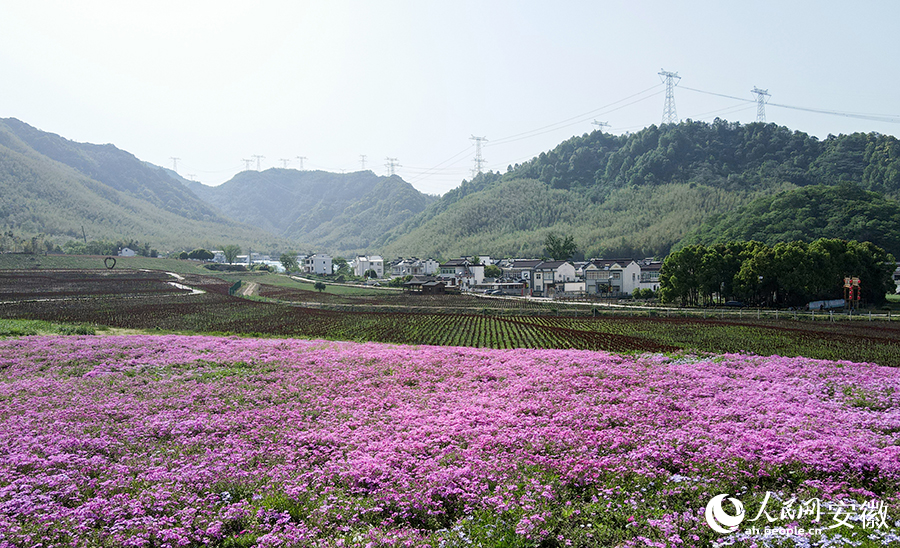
(217, 312)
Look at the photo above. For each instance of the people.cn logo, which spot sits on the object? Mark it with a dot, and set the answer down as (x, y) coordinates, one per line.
(721, 521)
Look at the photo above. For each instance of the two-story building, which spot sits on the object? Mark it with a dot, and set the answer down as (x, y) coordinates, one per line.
(364, 263)
(461, 273)
(414, 267)
(649, 278)
(549, 277)
(612, 277)
(320, 263)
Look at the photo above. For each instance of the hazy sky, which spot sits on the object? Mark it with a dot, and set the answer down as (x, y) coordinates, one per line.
(216, 82)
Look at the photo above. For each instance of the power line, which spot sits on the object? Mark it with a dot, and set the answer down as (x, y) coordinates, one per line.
(580, 118)
(888, 118)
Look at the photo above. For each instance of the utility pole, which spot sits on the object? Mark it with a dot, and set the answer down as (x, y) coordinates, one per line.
(669, 116)
(258, 158)
(301, 158)
(174, 163)
(246, 164)
(392, 166)
(479, 160)
(362, 161)
(761, 100)
(600, 125)
(284, 162)
(191, 177)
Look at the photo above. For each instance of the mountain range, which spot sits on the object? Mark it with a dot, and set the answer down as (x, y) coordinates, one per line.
(639, 194)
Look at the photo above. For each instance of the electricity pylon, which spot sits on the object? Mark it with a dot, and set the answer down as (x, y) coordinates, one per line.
(669, 115)
(761, 95)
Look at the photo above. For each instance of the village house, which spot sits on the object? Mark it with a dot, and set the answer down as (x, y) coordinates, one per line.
(550, 276)
(414, 267)
(650, 274)
(612, 276)
(363, 263)
(320, 263)
(461, 273)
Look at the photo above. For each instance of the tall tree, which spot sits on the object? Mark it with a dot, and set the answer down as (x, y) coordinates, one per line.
(231, 252)
(560, 248)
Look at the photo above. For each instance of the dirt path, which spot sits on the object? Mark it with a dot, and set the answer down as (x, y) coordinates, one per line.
(250, 289)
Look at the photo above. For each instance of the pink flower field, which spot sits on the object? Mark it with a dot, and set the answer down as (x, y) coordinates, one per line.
(170, 441)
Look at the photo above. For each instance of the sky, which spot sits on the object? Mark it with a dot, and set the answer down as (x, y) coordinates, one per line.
(224, 86)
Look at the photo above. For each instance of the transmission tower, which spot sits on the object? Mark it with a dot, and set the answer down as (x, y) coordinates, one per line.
(246, 164)
(392, 166)
(174, 163)
(258, 158)
(479, 160)
(284, 162)
(362, 161)
(761, 95)
(301, 158)
(669, 116)
(191, 177)
(600, 125)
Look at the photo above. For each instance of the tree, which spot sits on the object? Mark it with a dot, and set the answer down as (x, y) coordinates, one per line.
(289, 262)
(370, 274)
(340, 266)
(201, 255)
(320, 287)
(560, 248)
(231, 252)
(493, 271)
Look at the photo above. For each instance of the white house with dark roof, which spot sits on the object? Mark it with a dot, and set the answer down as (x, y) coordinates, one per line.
(649, 278)
(550, 277)
(461, 273)
(363, 263)
(616, 276)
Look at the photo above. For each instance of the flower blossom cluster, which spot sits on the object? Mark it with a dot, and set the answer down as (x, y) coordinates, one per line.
(192, 441)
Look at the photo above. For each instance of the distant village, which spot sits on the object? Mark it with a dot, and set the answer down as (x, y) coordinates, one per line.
(519, 277)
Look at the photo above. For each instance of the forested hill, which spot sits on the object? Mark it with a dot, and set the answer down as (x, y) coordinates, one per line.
(806, 214)
(340, 213)
(639, 194)
(53, 186)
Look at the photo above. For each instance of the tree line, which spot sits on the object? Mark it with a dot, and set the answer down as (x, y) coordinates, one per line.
(786, 274)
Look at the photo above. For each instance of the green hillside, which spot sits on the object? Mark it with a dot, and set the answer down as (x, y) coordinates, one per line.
(640, 194)
(340, 213)
(52, 186)
(806, 214)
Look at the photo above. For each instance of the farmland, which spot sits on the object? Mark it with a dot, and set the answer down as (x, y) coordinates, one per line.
(138, 300)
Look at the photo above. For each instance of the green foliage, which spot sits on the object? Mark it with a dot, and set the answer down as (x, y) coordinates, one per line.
(231, 252)
(320, 286)
(493, 271)
(844, 211)
(370, 274)
(787, 274)
(560, 248)
(201, 255)
(289, 262)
